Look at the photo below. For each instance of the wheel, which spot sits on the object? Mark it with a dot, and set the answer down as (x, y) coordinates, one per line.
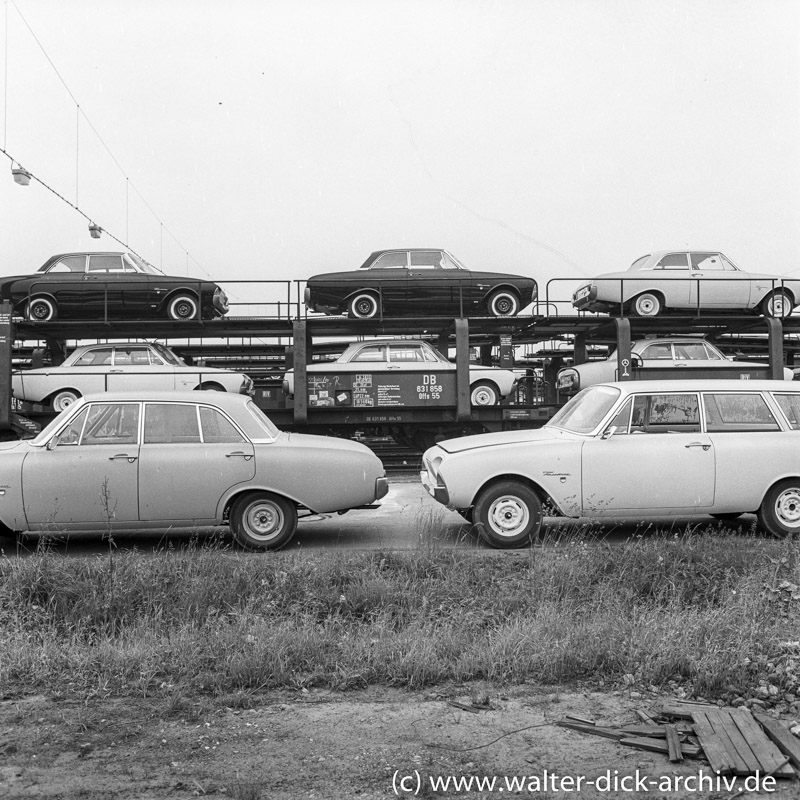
(728, 517)
(780, 511)
(210, 386)
(503, 303)
(484, 393)
(41, 309)
(182, 307)
(64, 399)
(509, 515)
(263, 521)
(364, 306)
(777, 304)
(647, 305)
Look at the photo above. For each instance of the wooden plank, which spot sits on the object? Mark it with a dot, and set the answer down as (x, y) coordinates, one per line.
(645, 716)
(657, 731)
(573, 718)
(768, 755)
(782, 738)
(683, 710)
(658, 745)
(608, 733)
(740, 757)
(738, 740)
(713, 746)
(674, 744)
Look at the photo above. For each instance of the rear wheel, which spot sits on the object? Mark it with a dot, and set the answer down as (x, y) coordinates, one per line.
(182, 307)
(509, 514)
(503, 303)
(364, 306)
(263, 521)
(210, 386)
(64, 399)
(648, 304)
(777, 304)
(41, 309)
(780, 512)
(484, 393)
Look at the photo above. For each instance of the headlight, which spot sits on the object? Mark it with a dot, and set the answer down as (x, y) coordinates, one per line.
(307, 298)
(220, 299)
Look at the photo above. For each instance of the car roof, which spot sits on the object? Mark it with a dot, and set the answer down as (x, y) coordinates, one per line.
(388, 341)
(704, 385)
(228, 400)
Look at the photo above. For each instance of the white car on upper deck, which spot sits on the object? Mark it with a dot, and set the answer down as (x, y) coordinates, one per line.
(632, 449)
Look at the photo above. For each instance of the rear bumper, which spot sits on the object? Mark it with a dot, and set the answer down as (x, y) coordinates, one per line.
(381, 487)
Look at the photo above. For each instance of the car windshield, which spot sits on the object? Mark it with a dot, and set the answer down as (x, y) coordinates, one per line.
(168, 355)
(586, 410)
(143, 266)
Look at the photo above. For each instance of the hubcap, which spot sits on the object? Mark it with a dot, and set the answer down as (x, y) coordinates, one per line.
(264, 520)
(40, 311)
(364, 308)
(503, 306)
(508, 516)
(646, 306)
(184, 309)
(482, 397)
(778, 306)
(787, 508)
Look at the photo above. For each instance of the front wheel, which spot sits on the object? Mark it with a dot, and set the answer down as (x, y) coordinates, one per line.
(41, 309)
(364, 306)
(648, 304)
(64, 399)
(263, 521)
(777, 304)
(509, 515)
(182, 307)
(503, 303)
(484, 393)
(780, 512)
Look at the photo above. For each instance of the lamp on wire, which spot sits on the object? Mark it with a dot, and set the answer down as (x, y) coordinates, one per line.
(21, 175)
(95, 230)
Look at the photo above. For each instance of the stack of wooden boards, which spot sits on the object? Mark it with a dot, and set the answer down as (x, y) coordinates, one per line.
(734, 741)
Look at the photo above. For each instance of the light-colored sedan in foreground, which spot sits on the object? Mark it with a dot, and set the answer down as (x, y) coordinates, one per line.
(126, 461)
(146, 366)
(688, 357)
(487, 385)
(632, 450)
(682, 280)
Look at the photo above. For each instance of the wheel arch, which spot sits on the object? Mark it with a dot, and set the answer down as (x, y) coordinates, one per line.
(49, 397)
(771, 485)
(178, 290)
(501, 287)
(785, 289)
(544, 496)
(659, 293)
(237, 493)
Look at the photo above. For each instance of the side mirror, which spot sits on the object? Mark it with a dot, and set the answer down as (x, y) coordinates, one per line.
(636, 361)
(609, 432)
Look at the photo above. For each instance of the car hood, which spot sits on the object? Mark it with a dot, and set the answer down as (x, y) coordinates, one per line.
(464, 443)
(12, 445)
(330, 442)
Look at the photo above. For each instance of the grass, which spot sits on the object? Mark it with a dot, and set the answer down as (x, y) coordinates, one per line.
(719, 613)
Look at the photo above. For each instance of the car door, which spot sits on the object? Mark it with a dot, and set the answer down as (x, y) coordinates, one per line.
(657, 461)
(191, 455)
(389, 274)
(137, 368)
(88, 473)
(64, 280)
(434, 290)
(717, 283)
(670, 276)
(104, 284)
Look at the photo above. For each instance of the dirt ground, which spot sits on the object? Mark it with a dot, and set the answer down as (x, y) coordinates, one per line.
(376, 743)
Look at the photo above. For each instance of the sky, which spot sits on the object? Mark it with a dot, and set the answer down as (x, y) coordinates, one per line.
(277, 139)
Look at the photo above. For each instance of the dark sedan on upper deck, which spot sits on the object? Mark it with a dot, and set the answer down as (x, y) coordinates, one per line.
(418, 282)
(109, 286)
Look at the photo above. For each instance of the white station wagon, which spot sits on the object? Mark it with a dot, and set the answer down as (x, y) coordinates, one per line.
(122, 461)
(632, 449)
(121, 367)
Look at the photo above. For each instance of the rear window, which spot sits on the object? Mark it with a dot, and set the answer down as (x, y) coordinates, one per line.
(737, 413)
(790, 405)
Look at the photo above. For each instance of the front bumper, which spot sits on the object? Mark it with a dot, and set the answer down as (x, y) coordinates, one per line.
(584, 297)
(438, 491)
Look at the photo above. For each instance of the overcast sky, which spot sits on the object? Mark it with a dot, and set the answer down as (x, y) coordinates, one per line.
(282, 138)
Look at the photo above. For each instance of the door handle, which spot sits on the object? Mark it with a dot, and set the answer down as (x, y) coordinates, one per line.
(698, 444)
(239, 454)
(119, 456)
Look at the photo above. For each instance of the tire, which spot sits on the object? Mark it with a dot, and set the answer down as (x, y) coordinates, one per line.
(41, 309)
(509, 514)
(780, 511)
(503, 303)
(263, 521)
(778, 304)
(484, 393)
(466, 513)
(363, 306)
(210, 386)
(647, 304)
(182, 307)
(729, 516)
(64, 399)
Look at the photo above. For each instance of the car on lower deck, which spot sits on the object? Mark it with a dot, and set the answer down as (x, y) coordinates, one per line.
(632, 450)
(118, 367)
(140, 461)
(418, 282)
(687, 356)
(487, 385)
(684, 280)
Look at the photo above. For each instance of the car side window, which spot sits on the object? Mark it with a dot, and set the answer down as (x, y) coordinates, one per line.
(390, 261)
(111, 423)
(691, 351)
(674, 261)
(448, 263)
(69, 264)
(708, 261)
(738, 412)
(71, 435)
(790, 405)
(426, 259)
(665, 413)
(376, 353)
(657, 351)
(140, 356)
(171, 423)
(95, 358)
(105, 264)
(405, 353)
(217, 428)
(622, 419)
